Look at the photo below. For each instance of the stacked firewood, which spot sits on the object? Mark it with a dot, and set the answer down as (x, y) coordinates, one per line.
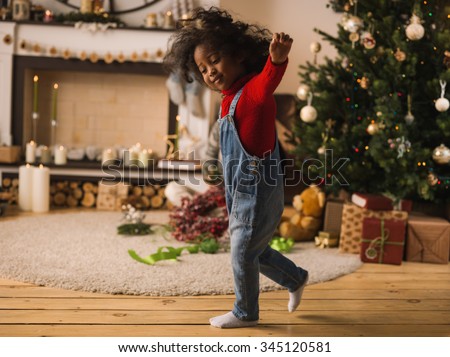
(10, 187)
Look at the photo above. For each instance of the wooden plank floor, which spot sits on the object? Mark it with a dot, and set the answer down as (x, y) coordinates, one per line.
(378, 300)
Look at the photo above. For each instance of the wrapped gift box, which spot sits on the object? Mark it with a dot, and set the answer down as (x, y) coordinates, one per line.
(333, 216)
(352, 221)
(9, 154)
(428, 240)
(383, 241)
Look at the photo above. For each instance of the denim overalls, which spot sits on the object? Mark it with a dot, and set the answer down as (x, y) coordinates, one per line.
(255, 201)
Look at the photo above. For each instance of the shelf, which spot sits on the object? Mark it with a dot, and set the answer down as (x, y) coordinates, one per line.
(60, 24)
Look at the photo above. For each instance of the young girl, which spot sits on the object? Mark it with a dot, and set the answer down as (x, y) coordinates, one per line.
(246, 66)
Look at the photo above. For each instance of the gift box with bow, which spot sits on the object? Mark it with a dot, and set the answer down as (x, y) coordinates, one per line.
(352, 221)
(382, 241)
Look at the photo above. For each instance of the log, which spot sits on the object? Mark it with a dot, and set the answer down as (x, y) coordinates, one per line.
(59, 198)
(15, 182)
(72, 201)
(137, 191)
(6, 182)
(88, 200)
(149, 191)
(157, 201)
(88, 187)
(77, 193)
(161, 192)
(145, 202)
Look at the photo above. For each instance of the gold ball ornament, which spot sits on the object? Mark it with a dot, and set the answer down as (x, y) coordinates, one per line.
(442, 105)
(353, 37)
(400, 55)
(315, 47)
(353, 24)
(441, 155)
(373, 128)
(432, 179)
(415, 30)
(409, 118)
(368, 41)
(308, 114)
(303, 92)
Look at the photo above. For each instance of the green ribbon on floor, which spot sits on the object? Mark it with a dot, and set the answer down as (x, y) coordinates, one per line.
(283, 245)
(163, 253)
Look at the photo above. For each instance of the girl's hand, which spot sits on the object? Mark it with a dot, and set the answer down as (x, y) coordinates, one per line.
(280, 47)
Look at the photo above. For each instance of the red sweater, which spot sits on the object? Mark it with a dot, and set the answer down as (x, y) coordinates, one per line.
(256, 110)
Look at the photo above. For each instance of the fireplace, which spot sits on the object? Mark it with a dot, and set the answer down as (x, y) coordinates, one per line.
(104, 105)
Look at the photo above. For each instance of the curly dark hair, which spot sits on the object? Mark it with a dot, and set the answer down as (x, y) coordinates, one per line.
(216, 29)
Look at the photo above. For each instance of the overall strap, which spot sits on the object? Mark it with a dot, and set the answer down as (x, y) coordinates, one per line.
(234, 102)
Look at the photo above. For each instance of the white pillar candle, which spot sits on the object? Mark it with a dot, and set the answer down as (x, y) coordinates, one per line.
(25, 187)
(30, 152)
(108, 155)
(144, 156)
(60, 155)
(41, 189)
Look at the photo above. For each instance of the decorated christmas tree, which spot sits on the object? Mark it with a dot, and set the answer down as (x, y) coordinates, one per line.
(373, 118)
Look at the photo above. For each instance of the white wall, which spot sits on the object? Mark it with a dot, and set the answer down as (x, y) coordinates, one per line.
(296, 17)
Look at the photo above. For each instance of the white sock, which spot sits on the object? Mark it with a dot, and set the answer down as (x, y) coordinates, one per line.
(296, 297)
(230, 321)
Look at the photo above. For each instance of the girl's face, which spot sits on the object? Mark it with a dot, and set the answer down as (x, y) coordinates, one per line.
(218, 71)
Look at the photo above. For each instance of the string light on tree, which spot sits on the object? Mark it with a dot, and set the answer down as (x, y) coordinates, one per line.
(308, 113)
(415, 30)
(442, 104)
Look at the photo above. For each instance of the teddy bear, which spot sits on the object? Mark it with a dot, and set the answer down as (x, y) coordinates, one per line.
(305, 223)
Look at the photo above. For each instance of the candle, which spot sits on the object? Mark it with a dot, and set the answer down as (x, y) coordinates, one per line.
(25, 187)
(168, 20)
(151, 20)
(35, 94)
(41, 189)
(30, 152)
(177, 133)
(86, 6)
(108, 155)
(54, 98)
(46, 155)
(144, 156)
(61, 156)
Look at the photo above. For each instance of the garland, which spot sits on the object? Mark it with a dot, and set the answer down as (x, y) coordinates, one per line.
(204, 214)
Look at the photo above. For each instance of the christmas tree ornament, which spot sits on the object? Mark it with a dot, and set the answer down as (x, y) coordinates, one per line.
(364, 82)
(315, 48)
(409, 117)
(308, 113)
(353, 24)
(446, 60)
(400, 55)
(321, 150)
(442, 104)
(354, 37)
(367, 40)
(303, 92)
(373, 128)
(432, 179)
(415, 30)
(441, 155)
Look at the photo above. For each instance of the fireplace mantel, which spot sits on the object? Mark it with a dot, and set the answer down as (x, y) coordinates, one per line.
(22, 42)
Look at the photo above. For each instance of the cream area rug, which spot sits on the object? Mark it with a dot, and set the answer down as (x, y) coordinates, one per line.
(82, 251)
